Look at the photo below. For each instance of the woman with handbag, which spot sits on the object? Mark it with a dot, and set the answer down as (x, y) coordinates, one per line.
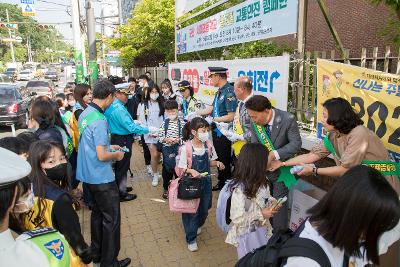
(251, 202)
(197, 164)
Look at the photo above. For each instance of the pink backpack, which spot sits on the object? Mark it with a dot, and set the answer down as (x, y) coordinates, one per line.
(189, 154)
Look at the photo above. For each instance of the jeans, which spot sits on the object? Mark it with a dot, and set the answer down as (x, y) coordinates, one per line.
(192, 222)
(105, 223)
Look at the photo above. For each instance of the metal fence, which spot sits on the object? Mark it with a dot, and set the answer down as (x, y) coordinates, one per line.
(303, 78)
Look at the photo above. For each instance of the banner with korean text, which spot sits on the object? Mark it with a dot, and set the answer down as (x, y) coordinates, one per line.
(270, 77)
(184, 6)
(375, 95)
(248, 21)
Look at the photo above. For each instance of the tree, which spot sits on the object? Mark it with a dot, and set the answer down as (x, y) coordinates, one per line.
(392, 30)
(148, 37)
(39, 38)
(394, 4)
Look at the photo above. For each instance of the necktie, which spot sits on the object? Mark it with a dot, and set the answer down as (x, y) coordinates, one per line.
(268, 130)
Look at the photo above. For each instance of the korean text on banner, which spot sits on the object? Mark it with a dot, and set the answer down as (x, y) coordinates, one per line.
(248, 21)
(184, 6)
(269, 75)
(375, 95)
(28, 8)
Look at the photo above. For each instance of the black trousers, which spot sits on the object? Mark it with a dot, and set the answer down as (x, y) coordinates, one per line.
(122, 166)
(167, 177)
(146, 151)
(223, 147)
(105, 223)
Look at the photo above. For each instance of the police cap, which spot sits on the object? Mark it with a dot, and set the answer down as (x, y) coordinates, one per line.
(12, 167)
(123, 88)
(217, 70)
(183, 85)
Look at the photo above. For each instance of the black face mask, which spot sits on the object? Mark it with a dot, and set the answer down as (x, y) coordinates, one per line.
(57, 173)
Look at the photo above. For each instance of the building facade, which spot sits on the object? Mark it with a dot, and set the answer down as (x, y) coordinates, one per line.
(127, 7)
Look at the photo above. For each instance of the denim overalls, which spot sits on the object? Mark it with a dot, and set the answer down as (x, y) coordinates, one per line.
(191, 222)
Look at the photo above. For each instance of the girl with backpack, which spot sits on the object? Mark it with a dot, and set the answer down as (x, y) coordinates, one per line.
(196, 157)
(251, 203)
(151, 115)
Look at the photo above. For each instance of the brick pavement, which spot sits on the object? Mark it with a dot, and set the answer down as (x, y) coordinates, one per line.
(153, 236)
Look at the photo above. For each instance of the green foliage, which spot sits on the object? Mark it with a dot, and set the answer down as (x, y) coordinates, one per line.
(391, 31)
(148, 37)
(40, 39)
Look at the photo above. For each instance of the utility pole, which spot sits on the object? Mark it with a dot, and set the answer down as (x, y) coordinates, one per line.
(78, 56)
(91, 36)
(301, 46)
(11, 43)
(103, 45)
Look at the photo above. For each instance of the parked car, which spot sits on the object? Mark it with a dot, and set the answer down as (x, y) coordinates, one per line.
(25, 75)
(51, 75)
(41, 87)
(11, 73)
(13, 105)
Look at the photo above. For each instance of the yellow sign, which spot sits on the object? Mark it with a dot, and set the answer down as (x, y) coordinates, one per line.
(375, 95)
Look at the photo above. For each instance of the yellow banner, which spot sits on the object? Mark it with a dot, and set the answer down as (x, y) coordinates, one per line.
(375, 95)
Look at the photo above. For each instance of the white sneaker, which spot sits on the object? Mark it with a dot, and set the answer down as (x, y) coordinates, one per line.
(193, 247)
(155, 180)
(149, 170)
(198, 230)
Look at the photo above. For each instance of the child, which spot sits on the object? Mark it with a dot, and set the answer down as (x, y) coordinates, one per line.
(170, 136)
(151, 115)
(250, 195)
(197, 132)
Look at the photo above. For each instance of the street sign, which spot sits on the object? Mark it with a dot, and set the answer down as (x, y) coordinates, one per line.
(28, 8)
(9, 25)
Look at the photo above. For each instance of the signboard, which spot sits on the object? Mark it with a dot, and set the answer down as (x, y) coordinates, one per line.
(184, 6)
(269, 75)
(28, 8)
(248, 21)
(375, 95)
(113, 56)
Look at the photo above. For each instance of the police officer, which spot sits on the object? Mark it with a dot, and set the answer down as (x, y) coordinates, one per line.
(122, 128)
(222, 110)
(189, 104)
(40, 248)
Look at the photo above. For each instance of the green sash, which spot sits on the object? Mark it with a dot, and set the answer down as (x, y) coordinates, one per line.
(89, 119)
(386, 167)
(285, 176)
(70, 145)
(54, 247)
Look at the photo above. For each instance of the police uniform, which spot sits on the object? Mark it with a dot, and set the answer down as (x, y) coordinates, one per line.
(191, 105)
(39, 248)
(122, 128)
(224, 102)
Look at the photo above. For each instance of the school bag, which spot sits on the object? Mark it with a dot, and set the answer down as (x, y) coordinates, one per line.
(189, 154)
(224, 207)
(282, 245)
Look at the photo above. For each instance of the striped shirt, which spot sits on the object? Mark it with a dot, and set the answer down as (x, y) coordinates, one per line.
(172, 131)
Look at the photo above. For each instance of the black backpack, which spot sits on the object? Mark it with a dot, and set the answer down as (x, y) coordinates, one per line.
(281, 246)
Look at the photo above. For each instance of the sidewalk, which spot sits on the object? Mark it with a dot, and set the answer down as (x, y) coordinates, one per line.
(153, 236)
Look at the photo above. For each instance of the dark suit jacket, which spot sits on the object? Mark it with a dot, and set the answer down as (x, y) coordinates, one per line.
(285, 134)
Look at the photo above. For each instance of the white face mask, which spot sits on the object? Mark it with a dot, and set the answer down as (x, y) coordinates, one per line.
(141, 84)
(154, 96)
(25, 205)
(172, 116)
(203, 137)
(71, 103)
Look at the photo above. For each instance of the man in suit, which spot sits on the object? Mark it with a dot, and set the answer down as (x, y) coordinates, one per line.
(282, 129)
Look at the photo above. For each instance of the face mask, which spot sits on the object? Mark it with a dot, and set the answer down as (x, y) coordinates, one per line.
(154, 96)
(203, 137)
(172, 117)
(141, 84)
(57, 173)
(71, 103)
(25, 205)
(130, 96)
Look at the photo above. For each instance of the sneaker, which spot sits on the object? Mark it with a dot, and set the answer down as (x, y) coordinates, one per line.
(193, 247)
(165, 194)
(198, 230)
(155, 180)
(149, 170)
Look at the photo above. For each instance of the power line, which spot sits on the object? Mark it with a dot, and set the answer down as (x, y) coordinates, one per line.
(53, 3)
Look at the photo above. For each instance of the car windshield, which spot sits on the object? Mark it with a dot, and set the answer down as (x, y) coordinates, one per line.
(37, 84)
(11, 69)
(25, 72)
(7, 94)
(51, 73)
